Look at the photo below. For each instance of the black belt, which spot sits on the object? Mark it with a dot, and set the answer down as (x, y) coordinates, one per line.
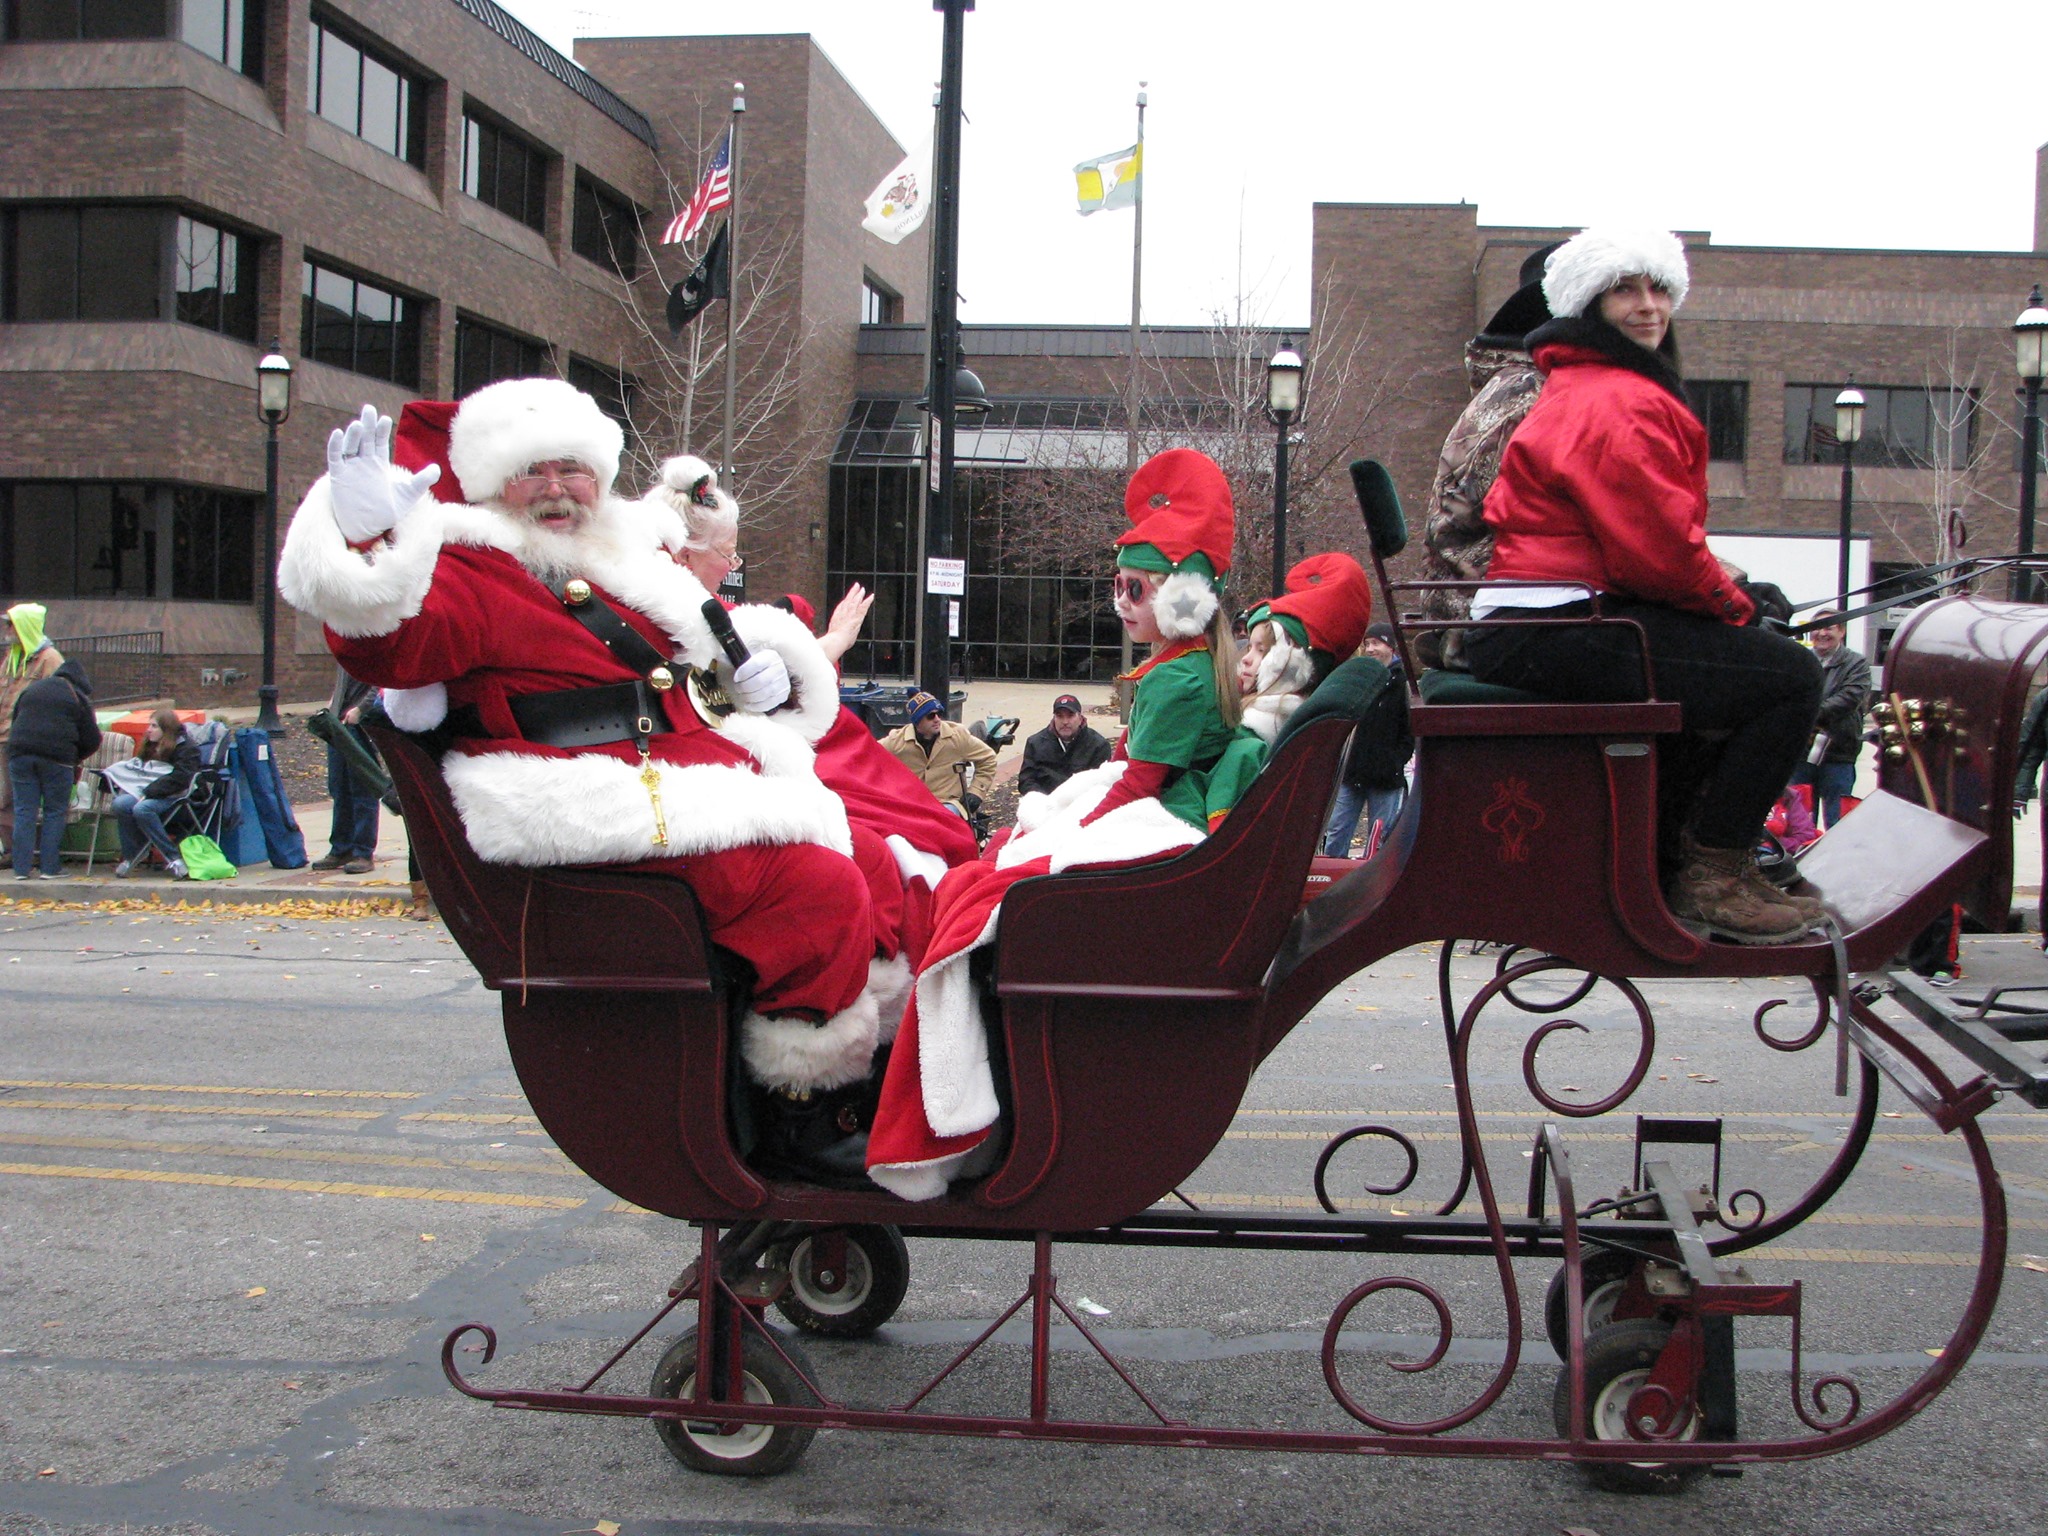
(589, 717)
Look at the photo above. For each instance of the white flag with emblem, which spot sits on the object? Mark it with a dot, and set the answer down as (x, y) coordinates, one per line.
(899, 203)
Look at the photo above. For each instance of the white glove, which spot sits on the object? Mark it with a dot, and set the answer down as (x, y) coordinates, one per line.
(370, 496)
(761, 683)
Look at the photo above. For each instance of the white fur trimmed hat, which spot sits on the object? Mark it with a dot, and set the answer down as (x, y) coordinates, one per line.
(689, 487)
(504, 427)
(1590, 263)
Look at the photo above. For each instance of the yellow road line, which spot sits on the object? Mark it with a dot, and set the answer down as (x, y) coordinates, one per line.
(268, 1093)
(296, 1186)
(493, 1119)
(555, 1167)
(275, 1112)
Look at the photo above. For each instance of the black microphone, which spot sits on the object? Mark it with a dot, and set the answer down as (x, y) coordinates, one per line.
(728, 638)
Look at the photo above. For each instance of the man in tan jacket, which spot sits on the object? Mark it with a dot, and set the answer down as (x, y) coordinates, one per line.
(934, 748)
(26, 656)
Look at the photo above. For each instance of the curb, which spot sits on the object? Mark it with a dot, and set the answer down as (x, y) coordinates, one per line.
(171, 893)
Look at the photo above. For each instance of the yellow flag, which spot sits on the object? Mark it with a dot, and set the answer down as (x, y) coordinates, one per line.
(1110, 181)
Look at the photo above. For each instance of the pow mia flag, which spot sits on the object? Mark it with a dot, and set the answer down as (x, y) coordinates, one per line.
(707, 281)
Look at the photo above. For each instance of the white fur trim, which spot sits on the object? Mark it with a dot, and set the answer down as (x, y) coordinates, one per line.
(688, 489)
(1590, 263)
(913, 863)
(1286, 667)
(1184, 605)
(358, 593)
(417, 709)
(506, 426)
(952, 1044)
(813, 704)
(1266, 713)
(524, 808)
(889, 983)
(797, 1054)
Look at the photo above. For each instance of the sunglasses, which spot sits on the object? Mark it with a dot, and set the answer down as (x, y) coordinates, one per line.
(1130, 589)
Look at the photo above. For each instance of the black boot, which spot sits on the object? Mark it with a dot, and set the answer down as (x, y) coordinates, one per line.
(816, 1137)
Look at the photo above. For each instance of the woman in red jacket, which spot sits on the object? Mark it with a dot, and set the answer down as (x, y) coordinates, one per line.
(1603, 491)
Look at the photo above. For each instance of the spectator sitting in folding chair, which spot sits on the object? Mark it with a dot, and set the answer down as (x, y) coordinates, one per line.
(148, 789)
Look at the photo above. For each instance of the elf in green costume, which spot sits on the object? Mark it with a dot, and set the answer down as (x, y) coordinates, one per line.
(1185, 745)
(1296, 640)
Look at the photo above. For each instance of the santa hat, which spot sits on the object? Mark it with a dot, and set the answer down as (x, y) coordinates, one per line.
(1590, 263)
(1182, 525)
(422, 439)
(1326, 606)
(502, 428)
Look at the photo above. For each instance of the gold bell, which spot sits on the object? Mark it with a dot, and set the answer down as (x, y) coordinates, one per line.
(577, 592)
(661, 679)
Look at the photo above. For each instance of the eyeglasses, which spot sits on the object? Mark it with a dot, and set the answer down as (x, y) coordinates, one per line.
(567, 479)
(1130, 589)
(734, 560)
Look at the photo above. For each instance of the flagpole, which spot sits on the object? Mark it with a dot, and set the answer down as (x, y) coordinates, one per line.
(1131, 412)
(732, 280)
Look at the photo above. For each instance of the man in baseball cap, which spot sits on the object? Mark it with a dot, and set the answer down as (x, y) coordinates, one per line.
(1067, 746)
(935, 748)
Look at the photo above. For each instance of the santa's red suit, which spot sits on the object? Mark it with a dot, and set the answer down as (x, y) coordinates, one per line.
(450, 596)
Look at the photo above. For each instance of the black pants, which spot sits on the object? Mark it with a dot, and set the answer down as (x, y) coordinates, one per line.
(1759, 688)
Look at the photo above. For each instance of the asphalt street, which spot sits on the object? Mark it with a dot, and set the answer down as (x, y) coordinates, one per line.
(252, 1171)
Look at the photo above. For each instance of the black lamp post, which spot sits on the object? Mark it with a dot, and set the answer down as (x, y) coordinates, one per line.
(1283, 399)
(273, 404)
(934, 657)
(2030, 343)
(1848, 432)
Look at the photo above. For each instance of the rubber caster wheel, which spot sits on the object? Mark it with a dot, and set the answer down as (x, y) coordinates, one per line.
(749, 1450)
(1605, 1274)
(852, 1302)
(1618, 1362)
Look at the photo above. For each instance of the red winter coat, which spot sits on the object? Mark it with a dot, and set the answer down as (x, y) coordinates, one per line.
(1605, 482)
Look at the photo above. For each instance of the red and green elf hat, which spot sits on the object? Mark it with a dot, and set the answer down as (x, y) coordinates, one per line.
(1182, 525)
(1326, 607)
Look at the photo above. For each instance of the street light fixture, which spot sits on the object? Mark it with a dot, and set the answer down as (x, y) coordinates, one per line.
(1848, 432)
(1283, 400)
(273, 405)
(2030, 346)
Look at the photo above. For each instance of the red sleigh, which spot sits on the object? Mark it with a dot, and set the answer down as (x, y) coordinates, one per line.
(1532, 825)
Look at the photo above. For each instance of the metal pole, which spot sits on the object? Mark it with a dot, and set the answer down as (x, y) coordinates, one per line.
(1137, 293)
(2023, 584)
(732, 281)
(266, 690)
(1283, 418)
(934, 660)
(1842, 560)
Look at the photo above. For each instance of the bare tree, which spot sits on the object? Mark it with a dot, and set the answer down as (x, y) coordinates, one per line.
(779, 436)
(1967, 439)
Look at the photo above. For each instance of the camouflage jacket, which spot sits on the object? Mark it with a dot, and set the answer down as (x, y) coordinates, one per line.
(1459, 545)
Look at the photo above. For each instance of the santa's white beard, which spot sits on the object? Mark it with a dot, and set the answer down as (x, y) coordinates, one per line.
(555, 555)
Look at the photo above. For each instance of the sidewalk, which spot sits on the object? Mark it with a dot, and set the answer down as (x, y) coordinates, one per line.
(1030, 703)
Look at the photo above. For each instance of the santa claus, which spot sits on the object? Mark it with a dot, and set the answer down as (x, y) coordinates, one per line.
(595, 719)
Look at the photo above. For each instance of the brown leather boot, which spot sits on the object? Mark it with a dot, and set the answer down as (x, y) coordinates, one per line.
(1713, 891)
(422, 909)
(1811, 908)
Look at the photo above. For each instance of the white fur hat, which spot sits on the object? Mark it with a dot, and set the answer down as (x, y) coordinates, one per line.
(689, 487)
(504, 427)
(1590, 263)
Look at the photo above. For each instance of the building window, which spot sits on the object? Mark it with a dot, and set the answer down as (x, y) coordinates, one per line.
(228, 30)
(365, 94)
(606, 228)
(72, 262)
(1722, 406)
(213, 278)
(612, 390)
(81, 538)
(348, 323)
(878, 306)
(485, 354)
(506, 171)
(69, 20)
(1906, 427)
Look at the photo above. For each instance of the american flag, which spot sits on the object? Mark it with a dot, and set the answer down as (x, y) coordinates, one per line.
(712, 194)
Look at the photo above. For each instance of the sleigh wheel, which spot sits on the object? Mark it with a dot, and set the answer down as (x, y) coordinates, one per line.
(845, 1284)
(745, 1450)
(1619, 1359)
(1605, 1276)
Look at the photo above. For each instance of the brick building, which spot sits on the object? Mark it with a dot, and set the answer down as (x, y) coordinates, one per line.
(413, 199)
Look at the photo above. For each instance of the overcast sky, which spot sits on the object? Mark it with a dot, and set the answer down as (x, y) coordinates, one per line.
(1758, 122)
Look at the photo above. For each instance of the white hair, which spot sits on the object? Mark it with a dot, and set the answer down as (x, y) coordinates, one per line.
(689, 487)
